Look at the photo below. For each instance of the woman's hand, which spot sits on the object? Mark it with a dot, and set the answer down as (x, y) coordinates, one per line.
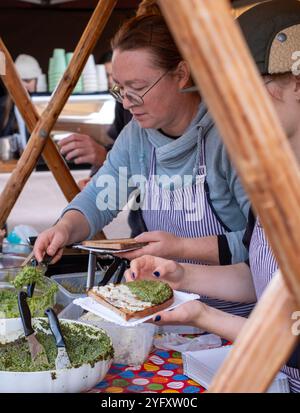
(51, 242)
(160, 244)
(151, 268)
(82, 149)
(191, 313)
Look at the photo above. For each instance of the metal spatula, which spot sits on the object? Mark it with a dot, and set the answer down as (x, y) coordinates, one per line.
(62, 359)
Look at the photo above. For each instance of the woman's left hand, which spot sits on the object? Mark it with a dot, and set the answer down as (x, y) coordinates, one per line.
(160, 244)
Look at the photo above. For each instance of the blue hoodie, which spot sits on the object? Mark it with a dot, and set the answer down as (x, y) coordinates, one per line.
(132, 152)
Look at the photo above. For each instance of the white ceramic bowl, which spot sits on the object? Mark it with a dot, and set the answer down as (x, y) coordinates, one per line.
(72, 380)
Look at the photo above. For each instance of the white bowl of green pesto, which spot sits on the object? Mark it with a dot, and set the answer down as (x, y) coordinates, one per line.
(90, 350)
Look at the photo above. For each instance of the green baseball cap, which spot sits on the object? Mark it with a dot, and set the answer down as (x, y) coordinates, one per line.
(272, 31)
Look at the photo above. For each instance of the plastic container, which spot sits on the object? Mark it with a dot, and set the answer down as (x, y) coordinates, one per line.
(132, 345)
(74, 285)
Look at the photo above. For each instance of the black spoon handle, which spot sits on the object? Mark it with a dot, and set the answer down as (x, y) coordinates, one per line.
(25, 313)
(55, 327)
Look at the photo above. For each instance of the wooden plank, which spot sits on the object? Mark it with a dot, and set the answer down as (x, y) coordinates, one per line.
(116, 244)
(263, 346)
(43, 127)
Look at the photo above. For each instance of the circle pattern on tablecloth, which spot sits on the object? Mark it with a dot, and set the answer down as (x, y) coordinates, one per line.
(161, 373)
(141, 382)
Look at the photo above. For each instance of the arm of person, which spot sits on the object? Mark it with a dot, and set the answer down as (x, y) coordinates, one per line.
(72, 227)
(167, 245)
(230, 283)
(198, 314)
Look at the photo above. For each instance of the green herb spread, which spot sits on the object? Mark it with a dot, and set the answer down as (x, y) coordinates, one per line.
(84, 346)
(155, 292)
(28, 275)
(43, 296)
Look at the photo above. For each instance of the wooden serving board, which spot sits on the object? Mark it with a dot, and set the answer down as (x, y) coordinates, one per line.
(114, 244)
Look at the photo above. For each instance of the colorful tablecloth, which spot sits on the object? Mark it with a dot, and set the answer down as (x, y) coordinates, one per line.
(161, 373)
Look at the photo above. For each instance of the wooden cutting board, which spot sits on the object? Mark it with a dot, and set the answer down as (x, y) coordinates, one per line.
(114, 244)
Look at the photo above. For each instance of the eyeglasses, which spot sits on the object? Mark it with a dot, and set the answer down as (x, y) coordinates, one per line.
(135, 99)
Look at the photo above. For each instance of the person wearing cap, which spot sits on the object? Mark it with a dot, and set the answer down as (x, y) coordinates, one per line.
(272, 31)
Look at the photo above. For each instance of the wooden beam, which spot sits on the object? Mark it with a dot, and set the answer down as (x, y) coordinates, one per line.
(263, 345)
(51, 155)
(43, 127)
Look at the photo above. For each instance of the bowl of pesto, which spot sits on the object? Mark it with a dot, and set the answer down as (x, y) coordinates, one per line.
(89, 348)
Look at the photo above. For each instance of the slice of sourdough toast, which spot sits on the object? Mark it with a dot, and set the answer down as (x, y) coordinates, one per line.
(134, 299)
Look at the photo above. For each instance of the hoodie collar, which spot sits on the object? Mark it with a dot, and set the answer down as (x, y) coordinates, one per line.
(168, 149)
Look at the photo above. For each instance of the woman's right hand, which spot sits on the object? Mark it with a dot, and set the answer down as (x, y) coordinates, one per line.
(51, 242)
(149, 267)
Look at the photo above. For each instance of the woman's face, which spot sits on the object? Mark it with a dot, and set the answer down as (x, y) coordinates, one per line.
(134, 71)
(286, 99)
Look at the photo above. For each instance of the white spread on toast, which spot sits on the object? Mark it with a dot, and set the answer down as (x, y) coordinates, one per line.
(121, 296)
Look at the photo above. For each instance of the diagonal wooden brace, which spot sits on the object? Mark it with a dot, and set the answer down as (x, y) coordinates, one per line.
(47, 120)
(52, 156)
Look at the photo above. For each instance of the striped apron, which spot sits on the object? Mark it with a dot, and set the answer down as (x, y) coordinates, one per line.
(263, 266)
(187, 212)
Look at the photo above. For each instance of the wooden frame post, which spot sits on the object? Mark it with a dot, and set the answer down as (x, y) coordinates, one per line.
(43, 127)
(51, 155)
(231, 86)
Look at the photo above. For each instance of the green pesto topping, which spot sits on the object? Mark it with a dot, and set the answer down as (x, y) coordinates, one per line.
(43, 297)
(155, 292)
(28, 275)
(84, 345)
(37, 304)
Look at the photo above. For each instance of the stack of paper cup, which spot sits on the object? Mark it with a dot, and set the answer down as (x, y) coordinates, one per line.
(79, 87)
(41, 86)
(102, 78)
(89, 76)
(57, 67)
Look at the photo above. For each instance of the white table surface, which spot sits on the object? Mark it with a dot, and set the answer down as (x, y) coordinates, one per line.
(42, 201)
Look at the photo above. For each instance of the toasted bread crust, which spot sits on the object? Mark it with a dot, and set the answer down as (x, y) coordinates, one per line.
(126, 314)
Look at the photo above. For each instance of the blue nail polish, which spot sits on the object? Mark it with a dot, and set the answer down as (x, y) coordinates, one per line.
(156, 273)
(133, 275)
(157, 318)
